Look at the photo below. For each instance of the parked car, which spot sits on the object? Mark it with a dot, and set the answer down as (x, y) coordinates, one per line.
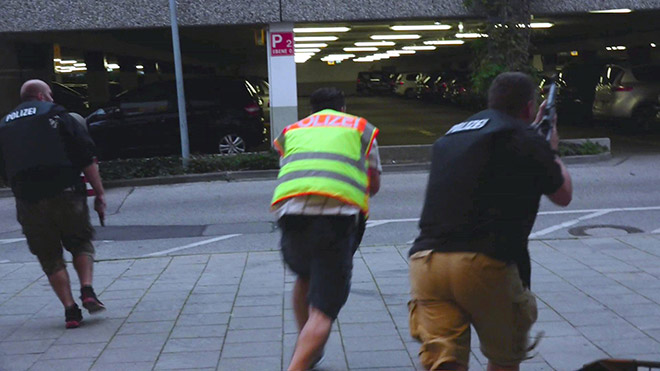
(262, 88)
(69, 99)
(223, 116)
(406, 83)
(114, 89)
(374, 82)
(425, 87)
(628, 93)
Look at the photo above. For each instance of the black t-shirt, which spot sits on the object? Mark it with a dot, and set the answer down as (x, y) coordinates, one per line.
(487, 177)
(48, 179)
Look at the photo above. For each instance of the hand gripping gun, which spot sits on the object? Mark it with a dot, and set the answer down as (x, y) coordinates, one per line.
(544, 127)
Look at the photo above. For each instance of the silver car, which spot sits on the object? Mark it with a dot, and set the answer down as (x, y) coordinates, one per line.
(628, 93)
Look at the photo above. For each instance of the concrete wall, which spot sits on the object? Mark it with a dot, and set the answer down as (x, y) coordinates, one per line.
(34, 15)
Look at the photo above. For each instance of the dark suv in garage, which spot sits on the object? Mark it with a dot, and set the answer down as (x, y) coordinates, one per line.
(223, 117)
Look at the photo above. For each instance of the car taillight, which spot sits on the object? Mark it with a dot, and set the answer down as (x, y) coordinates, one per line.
(400, 82)
(252, 109)
(623, 88)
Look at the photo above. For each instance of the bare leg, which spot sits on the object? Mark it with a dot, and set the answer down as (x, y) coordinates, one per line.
(62, 287)
(300, 306)
(311, 340)
(494, 367)
(84, 265)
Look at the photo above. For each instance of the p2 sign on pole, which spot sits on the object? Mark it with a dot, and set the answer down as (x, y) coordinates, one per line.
(281, 44)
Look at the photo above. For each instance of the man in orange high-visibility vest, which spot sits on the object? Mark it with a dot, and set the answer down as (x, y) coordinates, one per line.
(329, 168)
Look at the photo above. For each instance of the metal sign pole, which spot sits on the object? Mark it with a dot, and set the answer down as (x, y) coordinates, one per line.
(181, 99)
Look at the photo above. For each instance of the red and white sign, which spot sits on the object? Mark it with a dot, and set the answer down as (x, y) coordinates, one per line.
(281, 44)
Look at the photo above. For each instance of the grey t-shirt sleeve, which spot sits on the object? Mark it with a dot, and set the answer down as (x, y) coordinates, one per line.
(374, 157)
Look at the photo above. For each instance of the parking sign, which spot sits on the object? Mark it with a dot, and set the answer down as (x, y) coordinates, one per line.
(281, 44)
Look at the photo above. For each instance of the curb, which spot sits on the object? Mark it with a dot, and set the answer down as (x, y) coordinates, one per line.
(395, 159)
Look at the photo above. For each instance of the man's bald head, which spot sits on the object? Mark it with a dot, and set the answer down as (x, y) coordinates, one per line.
(36, 90)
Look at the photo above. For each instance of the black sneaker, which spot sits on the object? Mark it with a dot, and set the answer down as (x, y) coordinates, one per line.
(90, 301)
(73, 316)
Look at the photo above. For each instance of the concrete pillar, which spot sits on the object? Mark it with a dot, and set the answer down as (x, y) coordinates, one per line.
(19, 62)
(97, 80)
(282, 78)
(10, 77)
(128, 77)
(150, 72)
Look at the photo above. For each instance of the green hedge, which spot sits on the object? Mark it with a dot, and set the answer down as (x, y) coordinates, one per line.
(576, 149)
(171, 165)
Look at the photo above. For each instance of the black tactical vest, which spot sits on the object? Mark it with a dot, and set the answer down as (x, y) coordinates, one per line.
(30, 139)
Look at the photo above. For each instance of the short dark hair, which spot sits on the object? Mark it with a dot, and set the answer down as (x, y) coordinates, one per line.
(510, 92)
(327, 98)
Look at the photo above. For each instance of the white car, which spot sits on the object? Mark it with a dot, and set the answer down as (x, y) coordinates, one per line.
(406, 83)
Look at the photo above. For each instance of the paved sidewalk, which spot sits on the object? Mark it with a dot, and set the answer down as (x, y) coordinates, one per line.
(598, 298)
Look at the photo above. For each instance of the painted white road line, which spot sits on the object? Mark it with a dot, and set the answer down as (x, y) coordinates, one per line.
(11, 240)
(569, 223)
(4, 261)
(200, 243)
(374, 223)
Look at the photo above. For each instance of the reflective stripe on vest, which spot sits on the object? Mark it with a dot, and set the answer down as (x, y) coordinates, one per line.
(330, 161)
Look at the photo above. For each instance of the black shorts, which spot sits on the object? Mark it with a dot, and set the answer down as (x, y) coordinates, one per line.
(320, 248)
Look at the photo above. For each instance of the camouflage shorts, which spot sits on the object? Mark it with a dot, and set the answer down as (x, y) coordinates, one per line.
(53, 223)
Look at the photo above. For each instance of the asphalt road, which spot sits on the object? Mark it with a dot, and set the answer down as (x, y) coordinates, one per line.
(611, 198)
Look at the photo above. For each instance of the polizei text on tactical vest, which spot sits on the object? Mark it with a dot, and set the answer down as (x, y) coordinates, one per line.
(21, 113)
(468, 125)
(329, 120)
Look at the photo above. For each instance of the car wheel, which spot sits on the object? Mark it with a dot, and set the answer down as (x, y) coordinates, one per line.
(644, 116)
(231, 144)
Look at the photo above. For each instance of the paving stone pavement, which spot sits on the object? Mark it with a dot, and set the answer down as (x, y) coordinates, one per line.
(597, 297)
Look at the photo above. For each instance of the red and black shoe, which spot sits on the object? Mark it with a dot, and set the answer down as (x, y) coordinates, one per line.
(73, 316)
(90, 301)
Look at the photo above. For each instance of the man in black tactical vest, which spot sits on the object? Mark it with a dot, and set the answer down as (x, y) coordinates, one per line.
(470, 264)
(42, 152)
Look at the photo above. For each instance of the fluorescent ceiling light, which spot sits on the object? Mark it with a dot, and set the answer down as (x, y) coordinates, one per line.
(422, 27)
(444, 42)
(611, 11)
(303, 53)
(405, 51)
(317, 45)
(616, 47)
(337, 57)
(362, 49)
(321, 29)
(419, 47)
(307, 50)
(541, 25)
(653, 45)
(395, 37)
(114, 66)
(375, 43)
(79, 65)
(315, 38)
(470, 35)
(64, 61)
(363, 60)
(139, 67)
(384, 55)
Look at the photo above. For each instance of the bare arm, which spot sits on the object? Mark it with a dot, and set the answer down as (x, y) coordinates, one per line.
(92, 174)
(564, 194)
(374, 181)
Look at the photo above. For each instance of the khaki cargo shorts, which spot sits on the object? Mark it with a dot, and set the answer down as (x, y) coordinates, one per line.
(450, 291)
(53, 223)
